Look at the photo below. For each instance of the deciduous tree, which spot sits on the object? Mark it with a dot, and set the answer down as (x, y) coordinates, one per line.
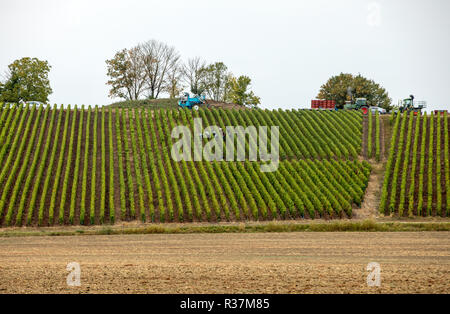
(216, 81)
(194, 73)
(344, 86)
(240, 93)
(174, 85)
(26, 80)
(127, 74)
(159, 60)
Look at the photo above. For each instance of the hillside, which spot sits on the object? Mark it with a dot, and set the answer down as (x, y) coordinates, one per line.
(94, 166)
(161, 103)
(417, 173)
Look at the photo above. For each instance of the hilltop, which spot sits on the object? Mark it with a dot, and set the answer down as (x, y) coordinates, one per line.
(166, 103)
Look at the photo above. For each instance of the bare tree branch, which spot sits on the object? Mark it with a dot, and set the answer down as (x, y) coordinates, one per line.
(173, 84)
(193, 73)
(127, 75)
(158, 59)
(136, 72)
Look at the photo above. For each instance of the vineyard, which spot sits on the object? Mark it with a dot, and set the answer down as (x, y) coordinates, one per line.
(88, 166)
(417, 173)
(372, 126)
(101, 165)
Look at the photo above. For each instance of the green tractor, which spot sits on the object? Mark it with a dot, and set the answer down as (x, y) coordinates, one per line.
(359, 104)
(411, 105)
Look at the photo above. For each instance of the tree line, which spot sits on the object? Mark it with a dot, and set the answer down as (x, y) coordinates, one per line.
(153, 68)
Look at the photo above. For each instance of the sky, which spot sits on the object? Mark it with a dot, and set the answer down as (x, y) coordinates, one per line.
(288, 48)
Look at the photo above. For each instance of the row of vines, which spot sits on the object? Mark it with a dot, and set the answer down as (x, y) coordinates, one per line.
(417, 173)
(99, 165)
(373, 136)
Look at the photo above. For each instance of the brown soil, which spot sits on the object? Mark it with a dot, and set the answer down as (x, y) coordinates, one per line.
(72, 164)
(374, 137)
(25, 137)
(443, 174)
(381, 140)
(386, 131)
(34, 150)
(79, 181)
(59, 188)
(134, 163)
(125, 171)
(98, 175)
(63, 117)
(396, 155)
(46, 169)
(365, 136)
(408, 169)
(369, 206)
(105, 139)
(157, 149)
(434, 182)
(228, 263)
(89, 147)
(425, 169)
(223, 105)
(117, 204)
(416, 181)
(401, 156)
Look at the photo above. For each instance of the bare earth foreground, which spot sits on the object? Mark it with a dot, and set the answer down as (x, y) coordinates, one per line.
(417, 262)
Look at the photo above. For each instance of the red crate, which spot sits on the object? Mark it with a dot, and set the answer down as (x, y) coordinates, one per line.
(442, 112)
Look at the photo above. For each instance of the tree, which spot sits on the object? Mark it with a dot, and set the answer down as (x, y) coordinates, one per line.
(127, 75)
(194, 73)
(239, 92)
(345, 86)
(174, 84)
(26, 80)
(159, 59)
(216, 81)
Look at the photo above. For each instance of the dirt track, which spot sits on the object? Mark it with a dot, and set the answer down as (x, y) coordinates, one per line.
(228, 263)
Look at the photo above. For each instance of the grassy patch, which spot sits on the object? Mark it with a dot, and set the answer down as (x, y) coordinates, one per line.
(162, 103)
(105, 231)
(339, 226)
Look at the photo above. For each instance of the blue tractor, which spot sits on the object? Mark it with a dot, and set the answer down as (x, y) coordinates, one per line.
(192, 103)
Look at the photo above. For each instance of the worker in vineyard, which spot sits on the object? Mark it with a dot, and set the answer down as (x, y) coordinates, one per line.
(223, 134)
(220, 133)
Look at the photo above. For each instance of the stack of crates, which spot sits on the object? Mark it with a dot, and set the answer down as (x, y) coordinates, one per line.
(323, 104)
(441, 112)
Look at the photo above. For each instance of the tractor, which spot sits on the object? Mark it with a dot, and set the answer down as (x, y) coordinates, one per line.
(192, 103)
(359, 104)
(411, 105)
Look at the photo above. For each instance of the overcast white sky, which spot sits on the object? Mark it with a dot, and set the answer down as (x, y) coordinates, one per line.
(288, 48)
